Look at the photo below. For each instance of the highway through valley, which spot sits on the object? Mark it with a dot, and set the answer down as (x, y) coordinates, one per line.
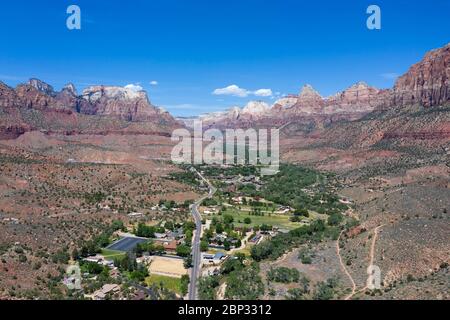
(196, 253)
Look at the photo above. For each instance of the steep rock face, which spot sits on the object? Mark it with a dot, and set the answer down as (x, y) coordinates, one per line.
(35, 94)
(426, 83)
(124, 103)
(8, 97)
(36, 106)
(32, 98)
(358, 98)
(68, 97)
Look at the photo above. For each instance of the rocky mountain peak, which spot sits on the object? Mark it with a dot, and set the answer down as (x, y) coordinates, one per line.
(130, 103)
(286, 102)
(359, 98)
(70, 88)
(7, 96)
(309, 100)
(42, 87)
(256, 107)
(309, 92)
(360, 85)
(95, 93)
(4, 87)
(234, 112)
(359, 90)
(427, 83)
(68, 97)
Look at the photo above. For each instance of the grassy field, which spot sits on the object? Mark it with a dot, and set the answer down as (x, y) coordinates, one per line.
(276, 220)
(246, 250)
(173, 284)
(111, 254)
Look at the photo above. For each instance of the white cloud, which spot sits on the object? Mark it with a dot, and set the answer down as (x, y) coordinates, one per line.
(234, 90)
(154, 83)
(263, 93)
(134, 87)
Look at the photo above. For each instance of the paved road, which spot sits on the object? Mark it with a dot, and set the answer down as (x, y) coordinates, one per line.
(196, 254)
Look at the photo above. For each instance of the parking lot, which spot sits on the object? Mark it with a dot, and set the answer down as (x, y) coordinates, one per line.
(126, 244)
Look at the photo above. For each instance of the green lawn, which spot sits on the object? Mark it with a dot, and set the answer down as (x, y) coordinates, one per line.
(276, 220)
(246, 250)
(111, 254)
(173, 284)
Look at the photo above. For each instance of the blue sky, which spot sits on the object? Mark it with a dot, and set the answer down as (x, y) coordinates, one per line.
(193, 47)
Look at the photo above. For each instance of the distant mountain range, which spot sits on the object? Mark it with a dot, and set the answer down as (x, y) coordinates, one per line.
(103, 109)
(427, 84)
(99, 109)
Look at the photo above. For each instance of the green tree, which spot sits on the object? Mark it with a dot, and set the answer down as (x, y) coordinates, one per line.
(145, 231)
(231, 264)
(227, 245)
(188, 262)
(335, 219)
(184, 286)
(75, 254)
(228, 219)
(207, 287)
(204, 245)
(219, 228)
(183, 250)
(188, 236)
(244, 284)
(325, 290)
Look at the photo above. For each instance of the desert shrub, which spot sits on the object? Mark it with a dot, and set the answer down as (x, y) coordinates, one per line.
(244, 284)
(207, 287)
(283, 275)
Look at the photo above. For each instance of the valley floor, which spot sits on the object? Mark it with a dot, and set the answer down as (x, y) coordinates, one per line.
(57, 192)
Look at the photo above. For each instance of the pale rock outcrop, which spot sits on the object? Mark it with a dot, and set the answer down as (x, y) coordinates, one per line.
(121, 102)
